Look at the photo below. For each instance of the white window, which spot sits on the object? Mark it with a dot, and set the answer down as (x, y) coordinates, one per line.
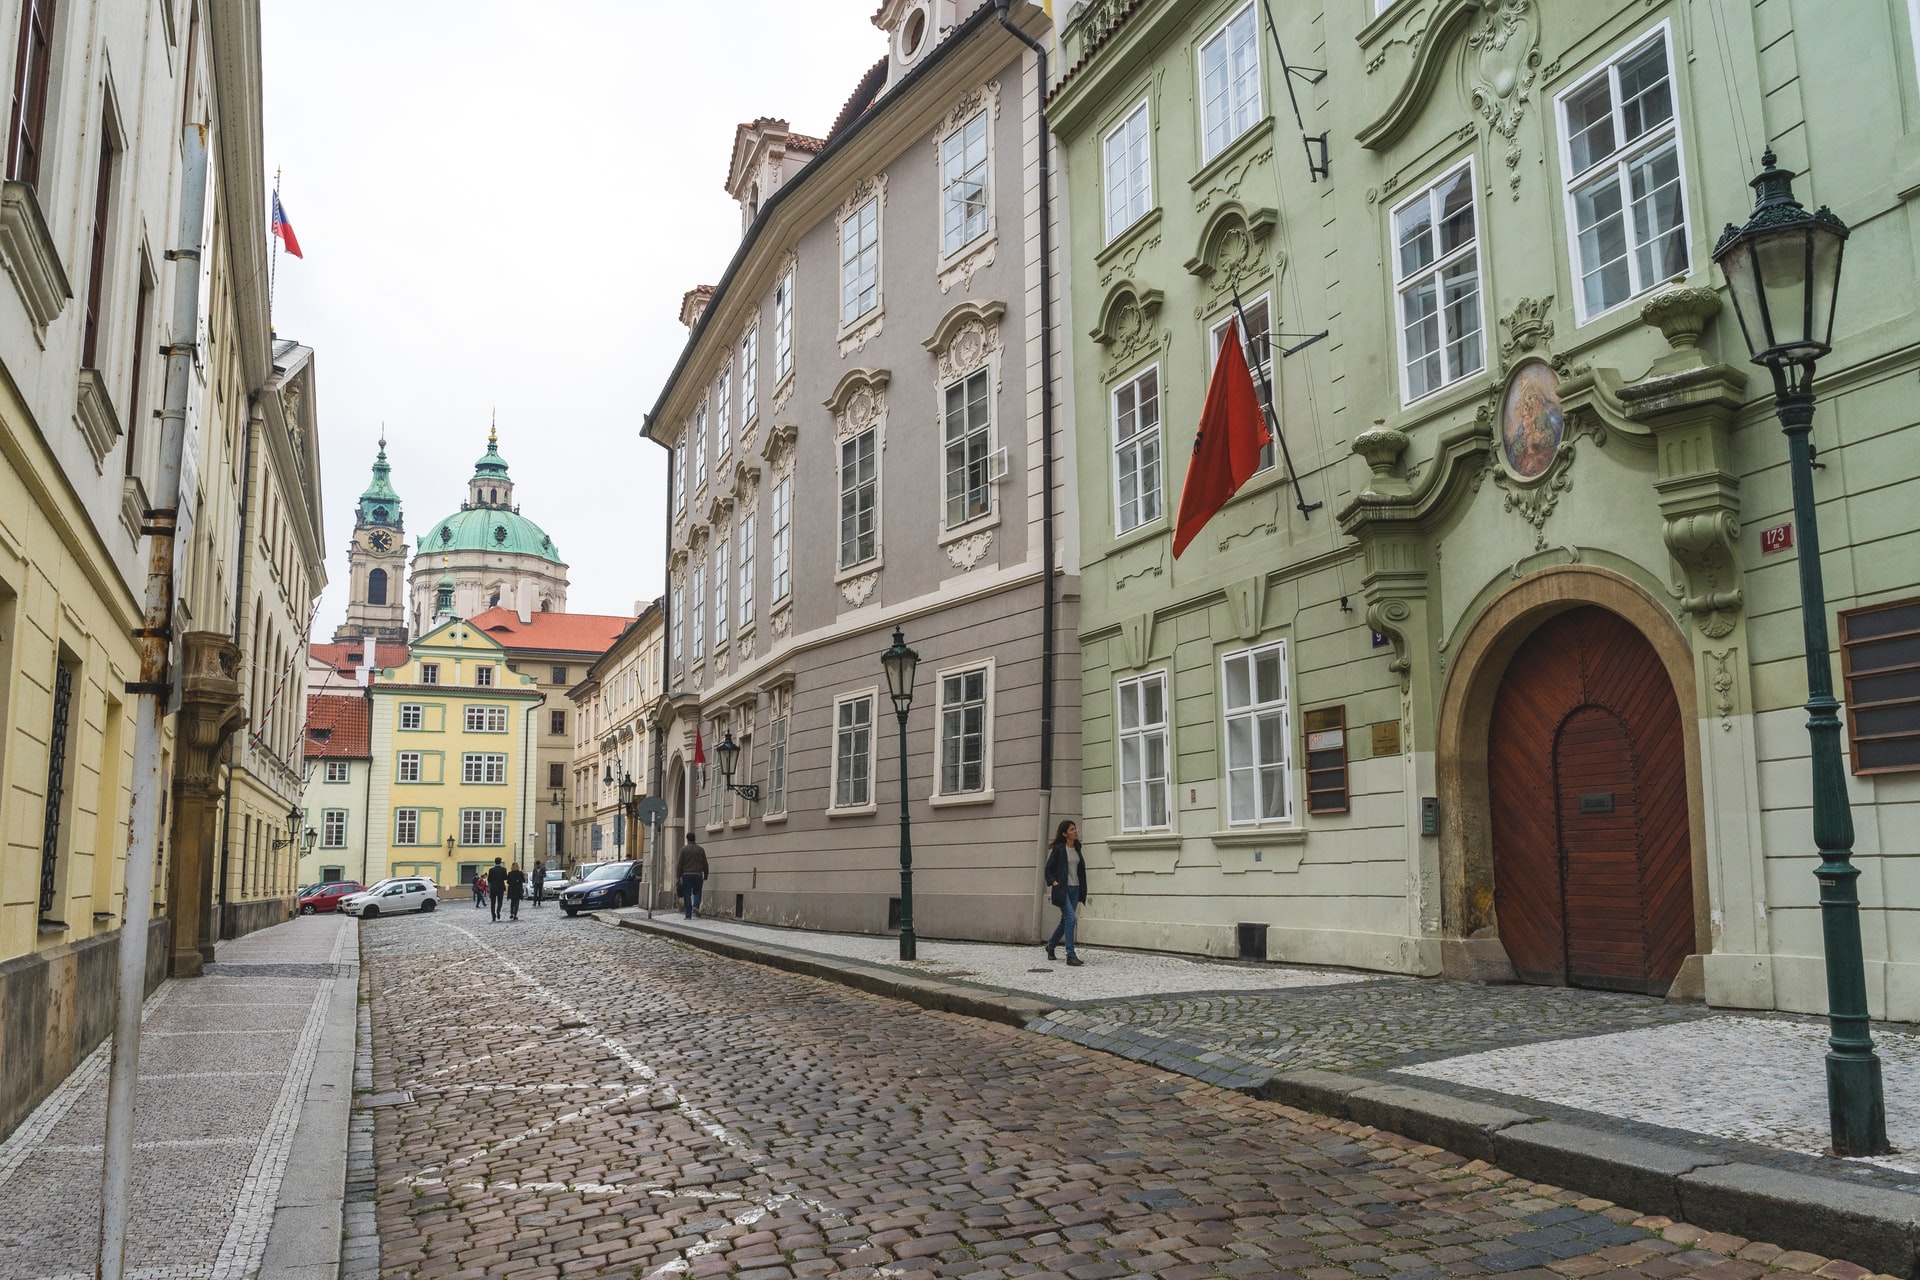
(1144, 776)
(1136, 452)
(679, 622)
(963, 177)
(783, 327)
(1229, 82)
(486, 719)
(1257, 345)
(483, 676)
(746, 570)
(859, 498)
(853, 752)
(1129, 173)
(406, 826)
(749, 375)
(1626, 205)
(696, 620)
(723, 413)
(964, 730)
(483, 826)
(969, 441)
(336, 771)
(1254, 695)
(860, 261)
(333, 828)
(1436, 258)
(429, 673)
(412, 715)
(407, 768)
(700, 445)
(783, 538)
(680, 475)
(777, 755)
(722, 610)
(483, 767)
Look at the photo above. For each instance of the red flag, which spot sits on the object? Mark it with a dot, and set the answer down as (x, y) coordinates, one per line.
(284, 229)
(699, 747)
(1226, 448)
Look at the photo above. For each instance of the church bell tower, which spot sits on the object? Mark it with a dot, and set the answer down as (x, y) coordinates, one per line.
(376, 601)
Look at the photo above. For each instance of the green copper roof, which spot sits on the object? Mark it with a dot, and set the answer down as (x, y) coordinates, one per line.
(489, 529)
(491, 463)
(379, 504)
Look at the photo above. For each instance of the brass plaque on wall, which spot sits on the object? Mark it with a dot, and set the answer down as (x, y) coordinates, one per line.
(1386, 738)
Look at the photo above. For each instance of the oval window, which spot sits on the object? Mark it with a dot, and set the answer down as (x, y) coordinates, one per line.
(913, 33)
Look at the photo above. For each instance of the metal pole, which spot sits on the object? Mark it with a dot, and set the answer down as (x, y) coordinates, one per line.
(1856, 1105)
(906, 853)
(154, 690)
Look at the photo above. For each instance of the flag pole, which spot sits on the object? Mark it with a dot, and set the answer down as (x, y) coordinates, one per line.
(1265, 388)
(273, 268)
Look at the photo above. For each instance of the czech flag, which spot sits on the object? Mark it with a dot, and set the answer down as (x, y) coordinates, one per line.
(1226, 448)
(284, 229)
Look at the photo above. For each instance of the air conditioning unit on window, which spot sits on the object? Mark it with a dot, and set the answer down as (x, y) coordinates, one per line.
(997, 466)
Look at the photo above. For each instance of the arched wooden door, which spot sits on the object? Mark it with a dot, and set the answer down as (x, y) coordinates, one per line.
(1586, 778)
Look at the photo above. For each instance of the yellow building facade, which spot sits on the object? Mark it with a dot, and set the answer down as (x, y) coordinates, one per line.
(455, 751)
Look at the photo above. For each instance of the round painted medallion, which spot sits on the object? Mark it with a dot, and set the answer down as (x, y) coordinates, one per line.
(1531, 424)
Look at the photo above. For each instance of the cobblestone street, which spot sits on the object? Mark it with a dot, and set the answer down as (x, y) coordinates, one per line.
(556, 1097)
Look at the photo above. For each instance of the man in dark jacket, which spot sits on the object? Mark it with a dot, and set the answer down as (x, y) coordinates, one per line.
(693, 874)
(496, 887)
(539, 882)
(516, 890)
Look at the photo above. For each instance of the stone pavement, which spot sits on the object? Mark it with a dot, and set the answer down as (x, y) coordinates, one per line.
(243, 1097)
(1725, 1088)
(617, 1104)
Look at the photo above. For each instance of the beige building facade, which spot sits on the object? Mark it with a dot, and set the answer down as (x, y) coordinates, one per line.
(614, 737)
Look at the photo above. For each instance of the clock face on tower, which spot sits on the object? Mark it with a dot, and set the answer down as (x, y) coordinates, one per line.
(380, 540)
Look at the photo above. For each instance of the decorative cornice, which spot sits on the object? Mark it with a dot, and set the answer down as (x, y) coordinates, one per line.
(31, 258)
(93, 414)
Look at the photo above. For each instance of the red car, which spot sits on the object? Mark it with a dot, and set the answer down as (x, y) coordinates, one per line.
(326, 897)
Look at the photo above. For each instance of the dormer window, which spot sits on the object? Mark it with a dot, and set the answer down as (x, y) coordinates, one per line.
(913, 34)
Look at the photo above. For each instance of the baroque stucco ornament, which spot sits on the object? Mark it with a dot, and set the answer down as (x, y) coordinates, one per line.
(970, 550)
(856, 591)
(1502, 63)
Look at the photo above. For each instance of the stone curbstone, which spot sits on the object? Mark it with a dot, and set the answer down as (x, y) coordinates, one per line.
(1616, 1167)
(1876, 1227)
(1325, 1092)
(928, 993)
(1438, 1118)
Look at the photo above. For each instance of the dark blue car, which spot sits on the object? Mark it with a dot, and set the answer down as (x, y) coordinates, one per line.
(615, 884)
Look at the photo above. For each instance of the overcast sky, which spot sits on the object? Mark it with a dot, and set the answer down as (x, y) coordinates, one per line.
(500, 206)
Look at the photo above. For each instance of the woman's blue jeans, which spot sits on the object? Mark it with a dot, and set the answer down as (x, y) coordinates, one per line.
(1069, 915)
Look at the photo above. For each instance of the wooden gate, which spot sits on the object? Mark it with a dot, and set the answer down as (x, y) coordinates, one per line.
(1586, 777)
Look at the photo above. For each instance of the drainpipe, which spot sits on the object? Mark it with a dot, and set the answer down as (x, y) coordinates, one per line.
(153, 690)
(1049, 643)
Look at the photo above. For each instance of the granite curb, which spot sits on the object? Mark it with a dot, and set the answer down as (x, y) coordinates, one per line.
(1873, 1227)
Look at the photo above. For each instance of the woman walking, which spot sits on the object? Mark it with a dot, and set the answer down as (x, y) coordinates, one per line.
(1066, 876)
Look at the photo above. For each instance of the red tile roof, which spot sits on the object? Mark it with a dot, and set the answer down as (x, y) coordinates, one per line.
(338, 728)
(553, 632)
(337, 656)
(862, 97)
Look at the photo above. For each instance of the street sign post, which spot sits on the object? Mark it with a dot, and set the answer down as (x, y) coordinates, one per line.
(652, 811)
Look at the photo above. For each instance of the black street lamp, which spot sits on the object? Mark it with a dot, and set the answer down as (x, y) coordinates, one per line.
(729, 753)
(900, 663)
(1783, 270)
(627, 805)
(310, 839)
(293, 828)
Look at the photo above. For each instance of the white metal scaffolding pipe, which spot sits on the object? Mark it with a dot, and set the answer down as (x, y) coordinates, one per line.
(153, 692)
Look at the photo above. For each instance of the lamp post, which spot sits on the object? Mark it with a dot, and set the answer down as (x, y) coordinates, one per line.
(1783, 271)
(627, 805)
(900, 663)
(729, 753)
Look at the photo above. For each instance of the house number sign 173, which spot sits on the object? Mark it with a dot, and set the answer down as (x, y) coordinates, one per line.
(1776, 539)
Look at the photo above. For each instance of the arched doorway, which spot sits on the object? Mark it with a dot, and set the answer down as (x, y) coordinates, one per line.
(1587, 808)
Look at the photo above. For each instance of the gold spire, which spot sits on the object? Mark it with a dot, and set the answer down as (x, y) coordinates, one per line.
(493, 432)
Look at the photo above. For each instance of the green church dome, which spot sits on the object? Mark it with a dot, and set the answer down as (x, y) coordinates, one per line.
(379, 504)
(489, 529)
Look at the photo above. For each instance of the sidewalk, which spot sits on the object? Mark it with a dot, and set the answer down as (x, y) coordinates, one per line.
(1715, 1116)
(240, 1131)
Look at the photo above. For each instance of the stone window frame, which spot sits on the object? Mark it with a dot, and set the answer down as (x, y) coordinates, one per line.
(1112, 233)
(959, 264)
(780, 717)
(1164, 728)
(338, 771)
(967, 341)
(400, 822)
(1208, 153)
(697, 425)
(939, 797)
(478, 768)
(853, 334)
(1432, 270)
(723, 414)
(749, 348)
(871, 696)
(328, 838)
(859, 405)
(1256, 709)
(1114, 444)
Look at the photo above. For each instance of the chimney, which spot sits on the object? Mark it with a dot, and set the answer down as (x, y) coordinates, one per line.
(363, 676)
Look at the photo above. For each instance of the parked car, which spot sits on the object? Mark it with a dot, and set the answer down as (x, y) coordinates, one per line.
(607, 884)
(557, 879)
(407, 893)
(328, 897)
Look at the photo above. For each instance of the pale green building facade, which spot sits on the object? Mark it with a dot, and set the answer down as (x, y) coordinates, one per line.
(1517, 694)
